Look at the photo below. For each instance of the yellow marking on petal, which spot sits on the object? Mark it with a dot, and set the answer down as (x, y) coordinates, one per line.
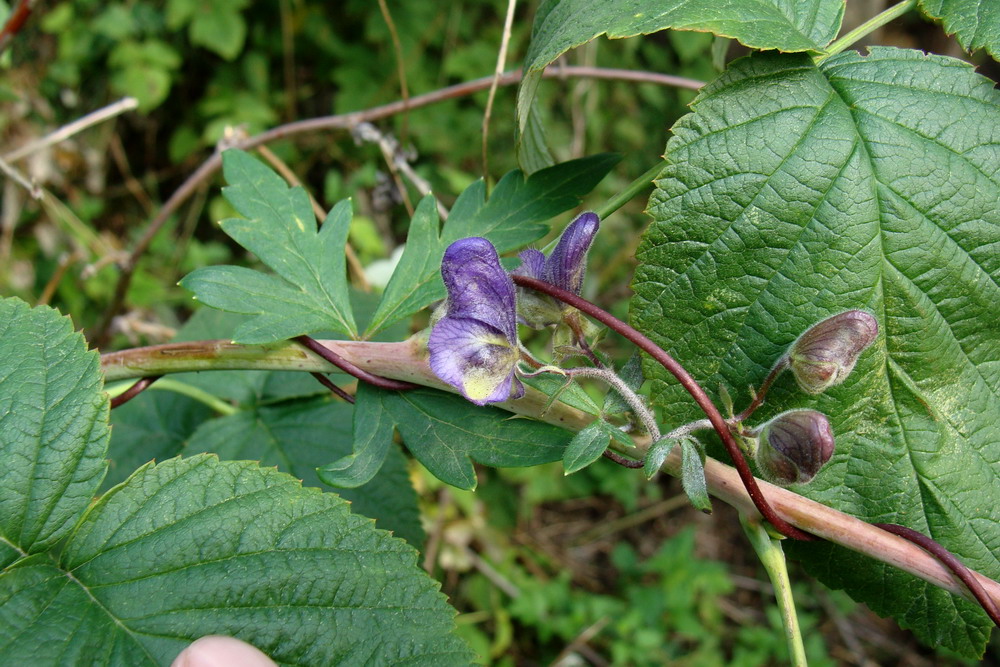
(480, 383)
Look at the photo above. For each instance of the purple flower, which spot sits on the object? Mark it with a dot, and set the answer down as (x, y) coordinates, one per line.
(564, 268)
(474, 347)
(826, 353)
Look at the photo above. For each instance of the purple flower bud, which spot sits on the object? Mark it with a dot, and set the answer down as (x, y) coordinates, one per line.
(474, 347)
(794, 446)
(564, 268)
(826, 353)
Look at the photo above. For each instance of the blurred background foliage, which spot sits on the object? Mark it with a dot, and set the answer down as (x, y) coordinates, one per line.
(596, 568)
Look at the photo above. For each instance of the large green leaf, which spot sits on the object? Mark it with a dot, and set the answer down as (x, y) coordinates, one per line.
(976, 23)
(786, 25)
(309, 293)
(53, 428)
(793, 192)
(198, 546)
(298, 437)
(515, 214)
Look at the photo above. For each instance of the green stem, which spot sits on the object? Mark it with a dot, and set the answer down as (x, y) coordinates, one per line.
(634, 188)
(868, 27)
(772, 556)
(184, 389)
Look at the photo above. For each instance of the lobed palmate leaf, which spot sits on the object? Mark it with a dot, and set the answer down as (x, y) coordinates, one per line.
(516, 213)
(446, 433)
(310, 291)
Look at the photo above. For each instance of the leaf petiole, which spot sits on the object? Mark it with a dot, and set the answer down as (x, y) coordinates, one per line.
(634, 188)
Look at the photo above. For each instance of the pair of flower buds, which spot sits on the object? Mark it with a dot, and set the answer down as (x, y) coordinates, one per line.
(793, 446)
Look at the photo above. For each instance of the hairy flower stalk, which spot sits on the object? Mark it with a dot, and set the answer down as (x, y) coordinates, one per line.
(474, 346)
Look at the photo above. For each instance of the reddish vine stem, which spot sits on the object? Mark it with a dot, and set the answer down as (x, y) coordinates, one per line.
(621, 460)
(758, 399)
(133, 391)
(951, 562)
(343, 364)
(689, 384)
(325, 381)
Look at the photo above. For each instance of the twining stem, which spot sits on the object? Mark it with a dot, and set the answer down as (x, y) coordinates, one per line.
(772, 557)
(612, 455)
(685, 430)
(689, 384)
(634, 188)
(868, 27)
(991, 608)
(326, 382)
(407, 361)
(133, 391)
(350, 368)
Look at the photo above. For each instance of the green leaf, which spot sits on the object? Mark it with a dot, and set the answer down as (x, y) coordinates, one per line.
(533, 153)
(222, 31)
(53, 428)
(310, 292)
(446, 434)
(656, 455)
(416, 282)
(793, 192)
(515, 215)
(976, 23)
(198, 546)
(586, 447)
(693, 474)
(298, 437)
(560, 25)
(372, 435)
